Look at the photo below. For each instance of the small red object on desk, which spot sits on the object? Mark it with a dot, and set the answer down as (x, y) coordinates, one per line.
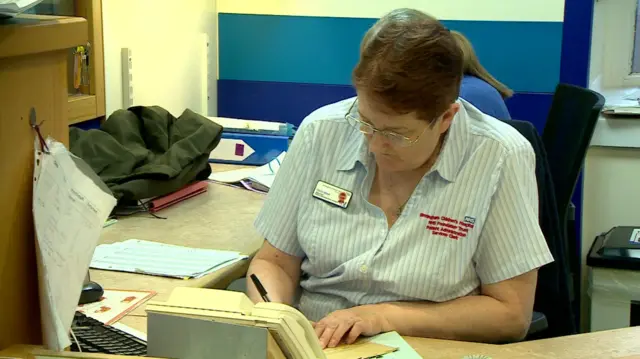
(189, 191)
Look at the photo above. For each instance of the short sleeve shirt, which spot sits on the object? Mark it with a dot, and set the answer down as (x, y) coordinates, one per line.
(472, 219)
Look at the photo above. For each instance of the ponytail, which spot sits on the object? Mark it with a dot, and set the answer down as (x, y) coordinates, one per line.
(473, 67)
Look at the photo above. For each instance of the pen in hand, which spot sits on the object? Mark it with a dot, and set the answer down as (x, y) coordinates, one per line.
(260, 288)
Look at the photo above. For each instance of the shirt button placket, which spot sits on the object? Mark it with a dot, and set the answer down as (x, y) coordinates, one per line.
(365, 274)
(364, 269)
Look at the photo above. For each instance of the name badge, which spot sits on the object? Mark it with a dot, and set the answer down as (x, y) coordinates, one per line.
(332, 194)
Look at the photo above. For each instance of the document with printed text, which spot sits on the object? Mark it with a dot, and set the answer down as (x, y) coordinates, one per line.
(70, 206)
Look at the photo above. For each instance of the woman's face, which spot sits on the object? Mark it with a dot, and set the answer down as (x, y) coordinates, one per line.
(393, 153)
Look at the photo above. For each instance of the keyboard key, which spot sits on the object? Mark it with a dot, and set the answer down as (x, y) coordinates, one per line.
(96, 337)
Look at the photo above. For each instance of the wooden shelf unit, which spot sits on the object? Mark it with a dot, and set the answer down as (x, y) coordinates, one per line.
(92, 105)
(33, 74)
(83, 106)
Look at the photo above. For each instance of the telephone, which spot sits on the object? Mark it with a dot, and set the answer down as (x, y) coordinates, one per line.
(291, 330)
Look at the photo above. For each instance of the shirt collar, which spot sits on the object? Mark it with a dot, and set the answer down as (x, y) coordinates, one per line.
(354, 149)
(455, 145)
(448, 164)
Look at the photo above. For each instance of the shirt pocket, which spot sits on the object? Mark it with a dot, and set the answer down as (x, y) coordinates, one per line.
(330, 235)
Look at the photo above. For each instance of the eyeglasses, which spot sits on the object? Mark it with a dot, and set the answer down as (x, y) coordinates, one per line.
(393, 138)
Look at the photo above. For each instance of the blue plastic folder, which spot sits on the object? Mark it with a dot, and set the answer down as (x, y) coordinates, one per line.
(248, 149)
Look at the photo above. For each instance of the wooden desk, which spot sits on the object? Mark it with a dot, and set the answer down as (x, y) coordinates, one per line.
(222, 218)
(223, 213)
(213, 219)
(619, 343)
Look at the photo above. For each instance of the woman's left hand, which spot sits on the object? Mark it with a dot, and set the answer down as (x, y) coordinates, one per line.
(353, 322)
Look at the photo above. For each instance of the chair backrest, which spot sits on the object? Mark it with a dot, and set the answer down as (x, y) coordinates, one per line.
(566, 137)
(553, 297)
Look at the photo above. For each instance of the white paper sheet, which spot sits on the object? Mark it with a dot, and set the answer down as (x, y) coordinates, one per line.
(247, 124)
(127, 329)
(69, 210)
(15, 7)
(145, 257)
(263, 175)
(394, 340)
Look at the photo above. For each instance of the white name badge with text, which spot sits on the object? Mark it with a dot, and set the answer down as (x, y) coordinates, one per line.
(332, 194)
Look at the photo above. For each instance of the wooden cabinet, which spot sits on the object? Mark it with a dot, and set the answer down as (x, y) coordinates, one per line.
(90, 105)
(33, 74)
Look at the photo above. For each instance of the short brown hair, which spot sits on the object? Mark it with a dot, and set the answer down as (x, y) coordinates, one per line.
(410, 62)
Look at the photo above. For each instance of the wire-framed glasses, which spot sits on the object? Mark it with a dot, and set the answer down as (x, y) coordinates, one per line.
(393, 138)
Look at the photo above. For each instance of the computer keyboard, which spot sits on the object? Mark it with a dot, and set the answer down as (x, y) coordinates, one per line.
(96, 337)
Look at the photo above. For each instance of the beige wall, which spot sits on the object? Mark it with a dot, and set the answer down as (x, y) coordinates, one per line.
(166, 38)
(611, 197)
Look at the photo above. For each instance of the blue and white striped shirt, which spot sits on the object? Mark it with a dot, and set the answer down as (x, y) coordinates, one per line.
(472, 219)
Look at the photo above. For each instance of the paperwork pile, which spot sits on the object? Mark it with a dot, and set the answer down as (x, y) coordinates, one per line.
(166, 260)
(70, 206)
(12, 8)
(257, 179)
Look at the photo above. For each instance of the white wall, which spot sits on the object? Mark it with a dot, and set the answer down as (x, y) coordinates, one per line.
(167, 41)
(611, 197)
(611, 187)
(596, 61)
(496, 10)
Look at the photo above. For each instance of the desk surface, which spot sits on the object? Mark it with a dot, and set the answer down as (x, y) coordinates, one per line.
(222, 218)
(619, 343)
(223, 213)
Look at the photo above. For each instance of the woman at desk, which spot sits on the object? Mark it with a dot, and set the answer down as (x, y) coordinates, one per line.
(478, 86)
(405, 209)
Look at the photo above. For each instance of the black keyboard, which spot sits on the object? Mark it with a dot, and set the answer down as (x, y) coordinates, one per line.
(96, 337)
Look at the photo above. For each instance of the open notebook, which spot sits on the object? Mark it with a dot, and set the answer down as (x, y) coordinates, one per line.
(258, 179)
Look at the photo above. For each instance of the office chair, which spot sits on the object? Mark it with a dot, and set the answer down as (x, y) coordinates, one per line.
(553, 315)
(566, 136)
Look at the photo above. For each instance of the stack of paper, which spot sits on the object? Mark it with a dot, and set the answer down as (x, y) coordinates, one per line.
(393, 339)
(258, 179)
(624, 102)
(14, 7)
(70, 206)
(387, 345)
(253, 126)
(145, 257)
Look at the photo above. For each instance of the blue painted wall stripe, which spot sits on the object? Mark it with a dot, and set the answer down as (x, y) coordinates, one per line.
(576, 51)
(323, 50)
(276, 101)
(292, 102)
(576, 44)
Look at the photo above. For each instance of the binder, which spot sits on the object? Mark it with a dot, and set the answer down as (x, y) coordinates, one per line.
(180, 195)
(248, 149)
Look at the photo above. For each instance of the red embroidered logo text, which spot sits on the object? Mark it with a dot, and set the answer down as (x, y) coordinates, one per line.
(449, 227)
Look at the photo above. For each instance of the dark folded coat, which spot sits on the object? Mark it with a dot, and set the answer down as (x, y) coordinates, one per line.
(145, 152)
